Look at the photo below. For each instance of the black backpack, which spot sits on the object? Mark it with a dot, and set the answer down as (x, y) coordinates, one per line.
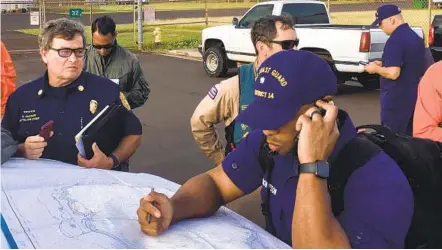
(420, 161)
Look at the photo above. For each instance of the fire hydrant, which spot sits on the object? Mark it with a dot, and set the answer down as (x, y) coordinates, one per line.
(157, 36)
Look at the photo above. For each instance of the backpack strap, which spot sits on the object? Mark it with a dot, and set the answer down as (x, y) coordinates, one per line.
(235, 132)
(266, 162)
(354, 155)
(228, 134)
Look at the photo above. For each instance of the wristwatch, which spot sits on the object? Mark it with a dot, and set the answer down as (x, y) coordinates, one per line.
(116, 164)
(320, 168)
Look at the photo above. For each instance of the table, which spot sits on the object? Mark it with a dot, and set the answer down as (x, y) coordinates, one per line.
(50, 204)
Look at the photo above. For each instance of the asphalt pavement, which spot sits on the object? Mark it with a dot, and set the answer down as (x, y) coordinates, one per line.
(16, 21)
(168, 149)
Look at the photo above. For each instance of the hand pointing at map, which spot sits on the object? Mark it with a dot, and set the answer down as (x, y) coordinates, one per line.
(161, 213)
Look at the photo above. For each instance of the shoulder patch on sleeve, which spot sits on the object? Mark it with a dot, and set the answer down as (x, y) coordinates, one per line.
(124, 101)
(213, 92)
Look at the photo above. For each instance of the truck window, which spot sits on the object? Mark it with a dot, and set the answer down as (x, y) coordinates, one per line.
(306, 13)
(255, 14)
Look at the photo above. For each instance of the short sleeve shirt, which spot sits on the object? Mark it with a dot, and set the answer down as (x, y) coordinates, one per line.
(404, 49)
(378, 207)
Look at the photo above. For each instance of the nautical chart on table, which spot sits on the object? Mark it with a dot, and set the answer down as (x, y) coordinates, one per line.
(48, 204)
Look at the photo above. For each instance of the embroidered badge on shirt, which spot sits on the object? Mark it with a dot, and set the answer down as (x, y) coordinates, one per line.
(93, 106)
(124, 101)
(213, 92)
(262, 80)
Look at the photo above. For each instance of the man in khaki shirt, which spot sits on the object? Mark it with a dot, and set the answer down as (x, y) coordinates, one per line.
(269, 35)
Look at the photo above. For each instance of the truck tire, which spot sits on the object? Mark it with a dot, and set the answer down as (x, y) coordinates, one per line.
(369, 82)
(215, 62)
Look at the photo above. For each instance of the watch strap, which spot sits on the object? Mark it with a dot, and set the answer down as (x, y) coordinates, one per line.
(115, 160)
(308, 168)
(319, 168)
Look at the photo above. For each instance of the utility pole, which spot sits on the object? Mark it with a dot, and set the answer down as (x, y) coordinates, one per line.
(140, 25)
(135, 20)
(207, 13)
(44, 11)
(429, 22)
(40, 13)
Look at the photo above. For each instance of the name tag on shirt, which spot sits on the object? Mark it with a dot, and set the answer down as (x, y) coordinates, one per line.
(117, 81)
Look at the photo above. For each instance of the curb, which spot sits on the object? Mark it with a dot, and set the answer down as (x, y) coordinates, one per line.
(23, 51)
(185, 54)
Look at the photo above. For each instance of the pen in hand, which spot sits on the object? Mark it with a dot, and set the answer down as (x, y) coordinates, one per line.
(149, 216)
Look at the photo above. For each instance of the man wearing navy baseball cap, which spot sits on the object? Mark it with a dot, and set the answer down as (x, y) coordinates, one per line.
(403, 64)
(384, 12)
(290, 89)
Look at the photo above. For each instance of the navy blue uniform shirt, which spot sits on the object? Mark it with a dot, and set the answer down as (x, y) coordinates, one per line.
(36, 103)
(404, 49)
(378, 201)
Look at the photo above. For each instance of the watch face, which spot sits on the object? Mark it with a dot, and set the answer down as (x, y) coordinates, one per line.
(322, 169)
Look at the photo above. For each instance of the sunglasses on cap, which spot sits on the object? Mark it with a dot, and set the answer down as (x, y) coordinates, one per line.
(106, 46)
(287, 44)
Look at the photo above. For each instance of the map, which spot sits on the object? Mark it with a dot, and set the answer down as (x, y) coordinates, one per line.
(48, 204)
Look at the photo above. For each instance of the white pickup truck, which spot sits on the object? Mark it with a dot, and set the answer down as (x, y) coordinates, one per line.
(343, 46)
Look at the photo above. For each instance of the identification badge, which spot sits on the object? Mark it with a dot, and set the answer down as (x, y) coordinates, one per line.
(117, 81)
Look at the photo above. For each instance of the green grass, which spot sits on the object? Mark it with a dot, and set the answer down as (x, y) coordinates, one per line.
(173, 37)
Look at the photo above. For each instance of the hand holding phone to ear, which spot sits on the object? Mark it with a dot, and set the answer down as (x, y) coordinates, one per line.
(318, 134)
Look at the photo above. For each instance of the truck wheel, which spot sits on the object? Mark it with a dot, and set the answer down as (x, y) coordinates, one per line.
(369, 82)
(215, 62)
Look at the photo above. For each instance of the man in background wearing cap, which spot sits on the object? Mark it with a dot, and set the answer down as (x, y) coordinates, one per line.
(403, 64)
(290, 86)
(225, 100)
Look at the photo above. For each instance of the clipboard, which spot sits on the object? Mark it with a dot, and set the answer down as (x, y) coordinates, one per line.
(102, 129)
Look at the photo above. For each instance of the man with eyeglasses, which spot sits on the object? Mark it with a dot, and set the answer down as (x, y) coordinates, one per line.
(108, 59)
(227, 99)
(70, 98)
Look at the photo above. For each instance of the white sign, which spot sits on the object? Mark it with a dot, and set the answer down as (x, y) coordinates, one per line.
(149, 14)
(35, 18)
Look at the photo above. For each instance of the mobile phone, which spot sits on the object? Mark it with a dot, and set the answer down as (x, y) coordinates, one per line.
(46, 129)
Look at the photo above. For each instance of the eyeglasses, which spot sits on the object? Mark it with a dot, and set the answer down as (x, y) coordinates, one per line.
(287, 44)
(65, 52)
(107, 46)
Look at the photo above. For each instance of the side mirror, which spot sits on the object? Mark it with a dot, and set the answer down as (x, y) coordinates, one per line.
(235, 21)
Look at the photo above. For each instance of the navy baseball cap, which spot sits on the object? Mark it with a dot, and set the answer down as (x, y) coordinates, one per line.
(285, 82)
(385, 11)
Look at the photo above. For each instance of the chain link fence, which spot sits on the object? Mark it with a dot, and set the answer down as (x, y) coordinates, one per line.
(191, 16)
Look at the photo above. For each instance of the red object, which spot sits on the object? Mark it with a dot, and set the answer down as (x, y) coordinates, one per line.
(8, 77)
(364, 45)
(46, 130)
(431, 36)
